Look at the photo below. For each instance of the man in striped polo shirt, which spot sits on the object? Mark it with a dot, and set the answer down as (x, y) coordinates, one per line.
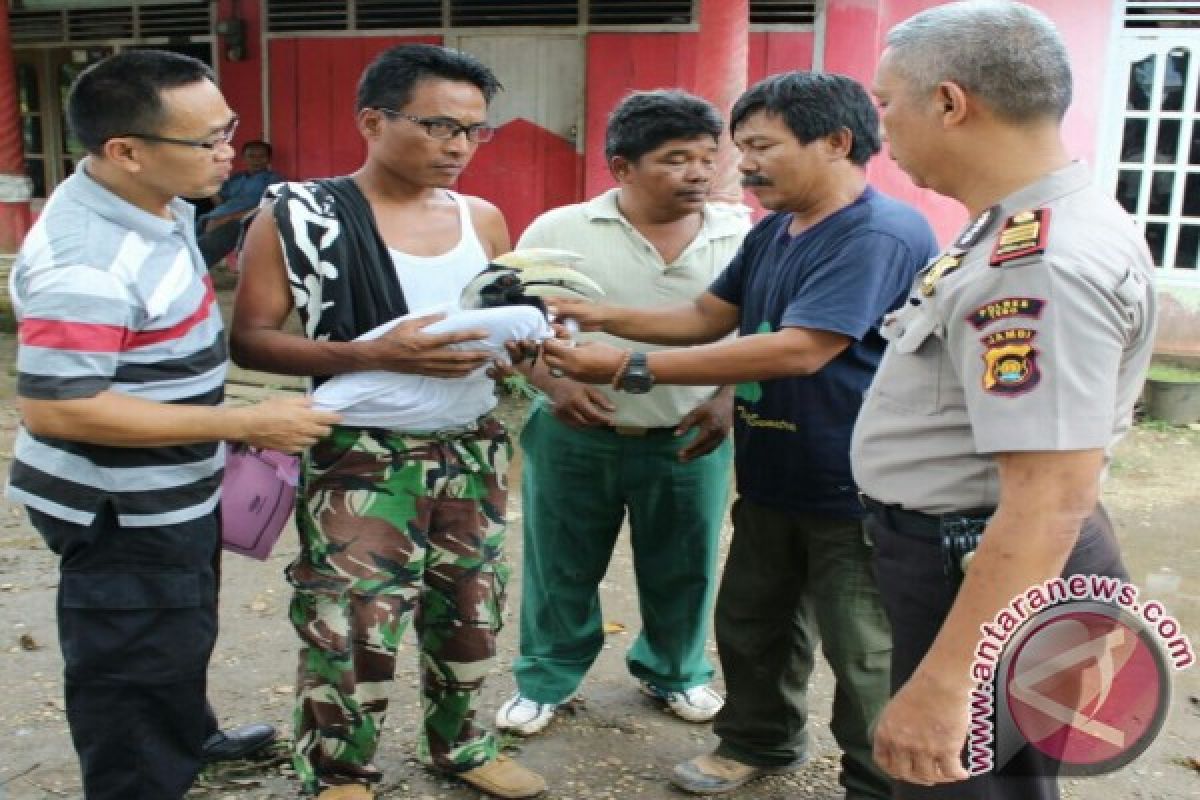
(121, 365)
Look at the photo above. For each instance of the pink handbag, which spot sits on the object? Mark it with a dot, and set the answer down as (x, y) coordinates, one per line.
(257, 498)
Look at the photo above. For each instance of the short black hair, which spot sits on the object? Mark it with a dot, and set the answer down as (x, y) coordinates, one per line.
(123, 94)
(258, 143)
(815, 105)
(388, 81)
(645, 120)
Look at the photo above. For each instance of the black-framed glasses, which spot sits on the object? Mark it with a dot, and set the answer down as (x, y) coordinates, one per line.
(443, 128)
(224, 137)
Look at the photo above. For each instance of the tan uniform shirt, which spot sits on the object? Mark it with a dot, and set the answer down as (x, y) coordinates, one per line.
(632, 273)
(1032, 333)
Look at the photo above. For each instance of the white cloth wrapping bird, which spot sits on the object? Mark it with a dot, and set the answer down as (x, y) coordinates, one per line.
(506, 300)
(400, 401)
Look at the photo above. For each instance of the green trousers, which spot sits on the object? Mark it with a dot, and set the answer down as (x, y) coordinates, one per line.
(577, 486)
(790, 581)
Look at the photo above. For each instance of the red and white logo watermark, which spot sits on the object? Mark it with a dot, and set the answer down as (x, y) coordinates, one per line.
(1077, 669)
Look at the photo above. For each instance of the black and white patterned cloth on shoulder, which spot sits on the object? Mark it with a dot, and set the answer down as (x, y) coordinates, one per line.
(341, 275)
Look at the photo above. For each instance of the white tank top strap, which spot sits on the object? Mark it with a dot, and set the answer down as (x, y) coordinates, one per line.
(431, 281)
(464, 216)
(470, 248)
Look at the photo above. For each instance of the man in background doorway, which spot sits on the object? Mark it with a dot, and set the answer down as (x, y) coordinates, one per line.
(219, 229)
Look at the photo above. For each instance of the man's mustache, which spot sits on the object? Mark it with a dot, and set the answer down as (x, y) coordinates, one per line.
(750, 181)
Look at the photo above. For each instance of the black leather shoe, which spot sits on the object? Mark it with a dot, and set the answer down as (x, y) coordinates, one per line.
(237, 743)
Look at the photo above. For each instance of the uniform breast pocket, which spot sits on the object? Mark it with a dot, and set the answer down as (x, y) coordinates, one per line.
(914, 367)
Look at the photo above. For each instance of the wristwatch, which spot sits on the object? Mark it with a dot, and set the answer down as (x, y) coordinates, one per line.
(636, 377)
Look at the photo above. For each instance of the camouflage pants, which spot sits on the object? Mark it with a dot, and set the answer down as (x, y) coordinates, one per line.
(391, 524)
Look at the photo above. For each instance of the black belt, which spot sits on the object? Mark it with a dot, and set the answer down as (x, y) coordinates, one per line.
(924, 526)
(638, 431)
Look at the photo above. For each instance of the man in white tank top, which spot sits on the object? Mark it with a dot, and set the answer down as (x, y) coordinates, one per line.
(391, 521)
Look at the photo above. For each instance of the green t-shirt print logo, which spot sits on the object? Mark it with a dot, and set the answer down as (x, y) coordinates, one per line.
(751, 391)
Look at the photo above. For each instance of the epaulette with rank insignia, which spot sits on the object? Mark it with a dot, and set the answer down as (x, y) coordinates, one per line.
(1023, 234)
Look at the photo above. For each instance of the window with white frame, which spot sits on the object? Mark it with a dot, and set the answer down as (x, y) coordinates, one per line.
(1155, 152)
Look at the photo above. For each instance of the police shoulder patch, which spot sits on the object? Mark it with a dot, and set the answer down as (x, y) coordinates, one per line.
(943, 266)
(1023, 234)
(978, 227)
(1005, 308)
(1010, 362)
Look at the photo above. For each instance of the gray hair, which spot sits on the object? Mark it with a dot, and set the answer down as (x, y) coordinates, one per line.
(1007, 54)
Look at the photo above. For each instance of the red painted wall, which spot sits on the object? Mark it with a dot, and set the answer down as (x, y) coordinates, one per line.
(618, 63)
(241, 81)
(525, 170)
(779, 52)
(855, 32)
(312, 87)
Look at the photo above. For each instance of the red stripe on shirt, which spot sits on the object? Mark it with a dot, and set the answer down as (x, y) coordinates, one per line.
(179, 329)
(85, 336)
(97, 338)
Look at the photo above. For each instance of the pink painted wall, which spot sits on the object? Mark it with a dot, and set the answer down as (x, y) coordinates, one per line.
(855, 31)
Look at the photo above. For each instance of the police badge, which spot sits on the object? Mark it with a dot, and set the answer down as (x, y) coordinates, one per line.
(1010, 362)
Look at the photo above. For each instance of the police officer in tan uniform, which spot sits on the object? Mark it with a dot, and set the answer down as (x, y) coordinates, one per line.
(1009, 376)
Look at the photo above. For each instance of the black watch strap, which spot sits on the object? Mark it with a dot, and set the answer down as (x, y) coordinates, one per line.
(636, 377)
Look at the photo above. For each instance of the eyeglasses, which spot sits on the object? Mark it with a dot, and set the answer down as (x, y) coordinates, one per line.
(443, 128)
(224, 137)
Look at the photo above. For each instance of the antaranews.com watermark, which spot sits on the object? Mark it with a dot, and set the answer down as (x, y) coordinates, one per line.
(1078, 669)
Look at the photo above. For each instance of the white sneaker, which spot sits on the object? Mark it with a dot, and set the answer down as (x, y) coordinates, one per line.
(524, 716)
(697, 704)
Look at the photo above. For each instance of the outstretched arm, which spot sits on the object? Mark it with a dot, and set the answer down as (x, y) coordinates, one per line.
(705, 319)
(791, 351)
(118, 420)
(264, 300)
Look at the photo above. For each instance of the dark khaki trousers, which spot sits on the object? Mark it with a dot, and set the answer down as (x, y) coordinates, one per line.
(790, 581)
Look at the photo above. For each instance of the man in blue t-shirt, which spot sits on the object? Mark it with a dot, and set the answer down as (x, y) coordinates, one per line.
(807, 292)
(219, 229)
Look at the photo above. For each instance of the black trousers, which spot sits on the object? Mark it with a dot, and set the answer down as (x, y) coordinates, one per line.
(137, 622)
(917, 596)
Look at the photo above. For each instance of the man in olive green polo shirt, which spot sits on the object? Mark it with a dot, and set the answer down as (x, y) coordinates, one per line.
(593, 455)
